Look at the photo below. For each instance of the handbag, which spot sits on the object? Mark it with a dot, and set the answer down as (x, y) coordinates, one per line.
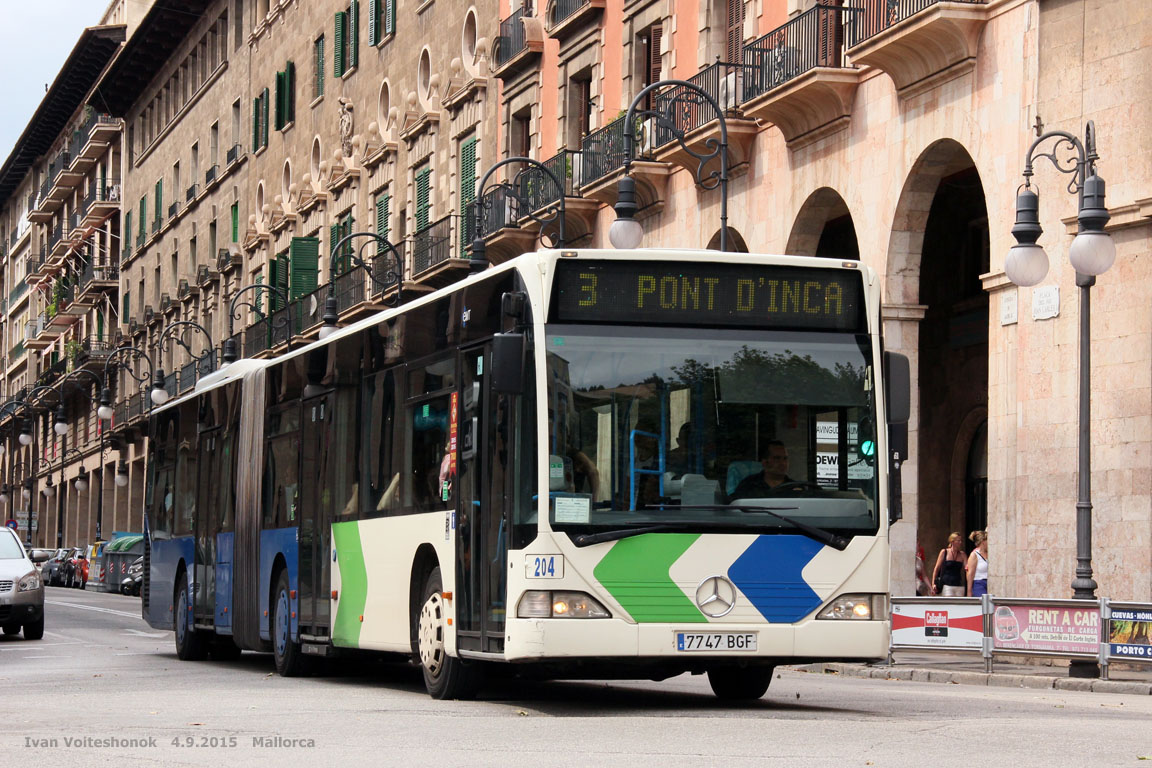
(940, 583)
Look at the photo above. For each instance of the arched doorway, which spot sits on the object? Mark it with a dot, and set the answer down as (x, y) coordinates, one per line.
(939, 250)
(824, 228)
(736, 242)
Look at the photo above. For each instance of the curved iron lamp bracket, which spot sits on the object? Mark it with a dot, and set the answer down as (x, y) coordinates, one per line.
(512, 187)
(235, 304)
(1079, 162)
(391, 277)
(664, 118)
(185, 327)
(95, 379)
(111, 363)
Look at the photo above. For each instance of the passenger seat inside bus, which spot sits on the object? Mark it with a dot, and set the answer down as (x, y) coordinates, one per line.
(737, 471)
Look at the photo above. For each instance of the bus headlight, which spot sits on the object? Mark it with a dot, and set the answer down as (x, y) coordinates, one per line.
(859, 607)
(545, 604)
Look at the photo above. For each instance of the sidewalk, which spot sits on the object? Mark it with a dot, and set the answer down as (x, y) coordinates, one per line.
(1008, 672)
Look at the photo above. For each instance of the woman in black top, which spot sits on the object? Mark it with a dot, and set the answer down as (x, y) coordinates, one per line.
(949, 570)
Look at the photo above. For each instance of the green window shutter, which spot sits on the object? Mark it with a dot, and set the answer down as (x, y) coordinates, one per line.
(334, 258)
(125, 310)
(259, 296)
(319, 68)
(304, 253)
(255, 123)
(235, 222)
(290, 96)
(373, 22)
(159, 198)
(143, 212)
(383, 204)
(389, 17)
(264, 119)
(127, 228)
(354, 34)
(467, 190)
(281, 94)
(338, 52)
(423, 198)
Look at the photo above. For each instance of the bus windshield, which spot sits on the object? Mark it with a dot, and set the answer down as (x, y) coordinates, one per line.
(674, 427)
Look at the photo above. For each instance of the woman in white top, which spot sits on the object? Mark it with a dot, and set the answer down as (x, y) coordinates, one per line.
(978, 565)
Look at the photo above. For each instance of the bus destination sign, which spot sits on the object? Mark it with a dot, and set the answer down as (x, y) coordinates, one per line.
(680, 293)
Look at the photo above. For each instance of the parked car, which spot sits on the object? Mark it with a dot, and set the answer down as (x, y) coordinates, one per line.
(53, 570)
(76, 569)
(131, 584)
(21, 589)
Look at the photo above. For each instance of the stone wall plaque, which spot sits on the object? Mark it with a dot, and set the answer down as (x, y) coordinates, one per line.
(1009, 307)
(1046, 302)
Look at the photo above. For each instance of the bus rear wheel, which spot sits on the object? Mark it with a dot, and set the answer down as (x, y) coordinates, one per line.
(289, 657)
(740, 683)
(190, 643)
(445, 677)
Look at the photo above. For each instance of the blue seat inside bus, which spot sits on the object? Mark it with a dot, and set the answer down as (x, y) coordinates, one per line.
(738, 470)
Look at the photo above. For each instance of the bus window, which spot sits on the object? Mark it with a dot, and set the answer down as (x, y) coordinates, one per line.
(281, 471)
(187, 461)
(382, 470)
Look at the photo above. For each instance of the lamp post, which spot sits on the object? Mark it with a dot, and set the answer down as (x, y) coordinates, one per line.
(331, 316)
(1092, 253)
(176, 332)
(230, 355)
(50, 491)
(625, 232)
(514, 188)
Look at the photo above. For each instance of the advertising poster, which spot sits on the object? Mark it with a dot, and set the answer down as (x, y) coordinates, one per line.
(937, 624)
(1046, 628)
(1129, 632)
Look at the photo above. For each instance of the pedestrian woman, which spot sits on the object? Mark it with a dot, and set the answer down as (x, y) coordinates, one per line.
(978, 565)
(948, 575)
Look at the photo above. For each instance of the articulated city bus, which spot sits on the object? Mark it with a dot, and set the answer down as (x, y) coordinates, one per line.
(579, 463)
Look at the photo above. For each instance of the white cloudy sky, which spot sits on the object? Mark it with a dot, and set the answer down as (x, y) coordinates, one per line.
(36, 37)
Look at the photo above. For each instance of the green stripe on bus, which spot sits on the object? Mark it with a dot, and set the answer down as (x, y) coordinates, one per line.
(636, 572)
(353, 584)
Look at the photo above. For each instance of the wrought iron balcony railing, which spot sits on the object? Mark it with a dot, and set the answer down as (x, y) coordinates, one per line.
(511, 40)
(560, 10)
(432, 245)
(813, 39)
(538, 190)
(875, 16)
(687, 110)
(602, 151)
(235, 152)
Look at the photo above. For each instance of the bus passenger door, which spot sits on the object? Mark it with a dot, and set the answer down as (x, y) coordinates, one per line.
(481, 535)
(205, 527)
(314, 525)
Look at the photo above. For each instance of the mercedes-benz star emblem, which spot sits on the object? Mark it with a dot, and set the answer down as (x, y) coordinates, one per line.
(716, 596)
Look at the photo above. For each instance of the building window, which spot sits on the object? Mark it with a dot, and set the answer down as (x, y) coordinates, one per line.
(285, 96)
(423, 211)
(337, 232)
(579, 107)
(347, 53)
(318, 67)
(260, 121)
(648, 51)
(467, 190)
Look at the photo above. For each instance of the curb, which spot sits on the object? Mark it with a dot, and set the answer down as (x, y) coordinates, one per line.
(999, 680)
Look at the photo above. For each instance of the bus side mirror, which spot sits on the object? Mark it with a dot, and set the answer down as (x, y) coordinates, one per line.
(898, 404)
(508, 363)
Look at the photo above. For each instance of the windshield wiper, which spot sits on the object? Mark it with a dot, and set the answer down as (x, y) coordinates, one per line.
(819, 534)
(587, 539)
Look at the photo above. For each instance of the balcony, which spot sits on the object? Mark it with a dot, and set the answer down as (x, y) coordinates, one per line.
(520, 42)
(499, 226)
(687, 113)
(67, 177)
(206, 276)
(191, 194)
(157, 223)
(235, 154)
(92, 353)
(431, 252)
(541, 197)
(94, 138)
(57, 245)
(226, 259)
(103, 200)
(351, 293)
(210, 176)
(173, 211)
(564, 18)
(602, 158)
(95, 280)
(918, 43)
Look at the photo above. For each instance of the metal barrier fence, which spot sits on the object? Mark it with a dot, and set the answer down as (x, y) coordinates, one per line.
(1099, 630)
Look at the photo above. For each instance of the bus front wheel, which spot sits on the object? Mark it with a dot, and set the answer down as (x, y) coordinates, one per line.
(445, 677)
(740, 684)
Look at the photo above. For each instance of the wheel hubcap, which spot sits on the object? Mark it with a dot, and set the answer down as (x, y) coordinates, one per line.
(182, 615)
(281, 622)
(431, 634)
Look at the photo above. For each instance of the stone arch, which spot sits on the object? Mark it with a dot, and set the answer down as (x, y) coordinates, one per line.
(966, 435)
(824, 227)
(736, 242)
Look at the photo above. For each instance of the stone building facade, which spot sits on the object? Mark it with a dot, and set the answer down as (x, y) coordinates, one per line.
(894, 132)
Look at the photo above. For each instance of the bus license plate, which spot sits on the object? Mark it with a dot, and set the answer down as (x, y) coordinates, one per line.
(715, 641)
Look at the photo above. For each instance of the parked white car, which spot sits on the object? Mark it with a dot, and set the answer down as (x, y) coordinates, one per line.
(21, 589)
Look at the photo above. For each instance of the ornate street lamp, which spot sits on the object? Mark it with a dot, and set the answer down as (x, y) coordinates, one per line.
(1091, 254)
(60, 427)
(514, 188)
(230, 354)
(331, 316)
(176, 331)
(105, 411)
(626, 233)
